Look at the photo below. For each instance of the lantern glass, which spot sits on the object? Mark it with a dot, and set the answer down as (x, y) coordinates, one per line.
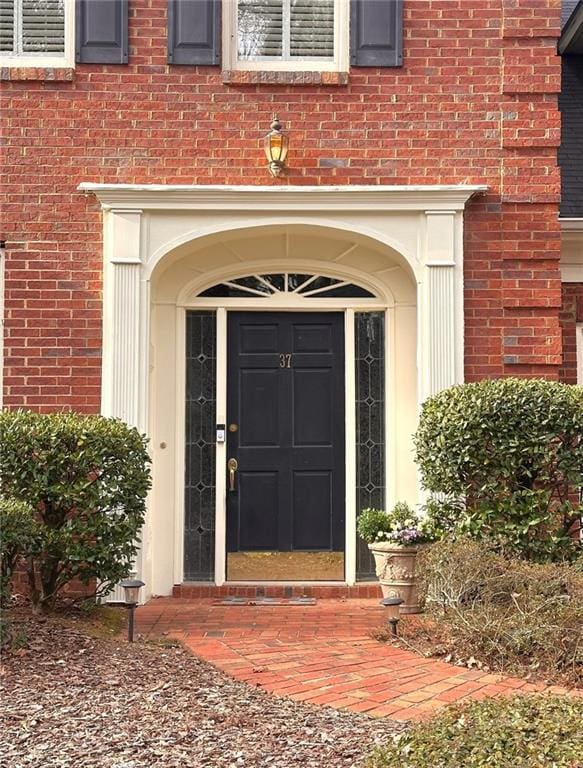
(393, 611)
(392, 605)
(276, 147)
(267, 147)
(131, 588)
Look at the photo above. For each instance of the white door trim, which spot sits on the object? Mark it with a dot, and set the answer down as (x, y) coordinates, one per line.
(350, 448)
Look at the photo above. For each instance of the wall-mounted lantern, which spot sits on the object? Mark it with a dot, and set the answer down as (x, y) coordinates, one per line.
(276, 145)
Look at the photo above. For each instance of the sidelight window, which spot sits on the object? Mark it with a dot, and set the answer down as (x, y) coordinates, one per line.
(369, 333)
(199, 479)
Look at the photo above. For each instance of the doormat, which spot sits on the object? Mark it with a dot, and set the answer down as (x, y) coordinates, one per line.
(267, 601)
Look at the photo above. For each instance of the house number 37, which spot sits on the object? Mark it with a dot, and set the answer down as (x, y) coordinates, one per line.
(285, 360)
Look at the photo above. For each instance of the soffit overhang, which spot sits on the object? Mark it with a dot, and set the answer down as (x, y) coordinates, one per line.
(571, 40)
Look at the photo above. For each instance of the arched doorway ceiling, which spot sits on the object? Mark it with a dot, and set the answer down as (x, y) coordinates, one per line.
(186, 271)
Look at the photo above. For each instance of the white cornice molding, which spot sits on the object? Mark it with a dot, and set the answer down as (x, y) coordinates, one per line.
(130, 197)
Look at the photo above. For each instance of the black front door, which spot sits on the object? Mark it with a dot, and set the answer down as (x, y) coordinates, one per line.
(285, 412)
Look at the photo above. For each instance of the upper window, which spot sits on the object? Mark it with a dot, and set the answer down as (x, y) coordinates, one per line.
(287, 34)
(36, 32)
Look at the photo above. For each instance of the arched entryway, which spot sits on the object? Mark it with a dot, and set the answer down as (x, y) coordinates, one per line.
(300, 343)
(366, 283)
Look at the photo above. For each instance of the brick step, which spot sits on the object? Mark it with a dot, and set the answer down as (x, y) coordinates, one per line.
(196, 590)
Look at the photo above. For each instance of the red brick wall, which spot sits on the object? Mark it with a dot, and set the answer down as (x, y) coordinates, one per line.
(475, 102)
(572, 313)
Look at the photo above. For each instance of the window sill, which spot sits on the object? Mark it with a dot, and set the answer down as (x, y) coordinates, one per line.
(37, 73)
(282, 77)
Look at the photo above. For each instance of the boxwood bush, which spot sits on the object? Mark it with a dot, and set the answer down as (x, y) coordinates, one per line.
(86, 479)
(504, 460)
(534, 731)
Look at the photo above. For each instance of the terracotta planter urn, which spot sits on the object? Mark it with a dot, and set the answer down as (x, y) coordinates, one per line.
(395, 569)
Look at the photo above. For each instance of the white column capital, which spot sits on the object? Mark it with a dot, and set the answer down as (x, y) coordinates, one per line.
(439, 245)
(123, 236)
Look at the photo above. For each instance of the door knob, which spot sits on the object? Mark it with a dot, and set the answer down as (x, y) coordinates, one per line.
(232, 465)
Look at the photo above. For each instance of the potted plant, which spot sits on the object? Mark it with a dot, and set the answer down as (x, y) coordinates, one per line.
(393, 538)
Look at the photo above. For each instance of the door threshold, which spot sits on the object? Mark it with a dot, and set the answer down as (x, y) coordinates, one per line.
(194, 590)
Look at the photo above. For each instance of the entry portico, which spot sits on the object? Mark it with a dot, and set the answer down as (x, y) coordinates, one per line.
(392, 254)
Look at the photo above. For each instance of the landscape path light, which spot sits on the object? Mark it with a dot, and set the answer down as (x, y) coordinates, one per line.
(392, 604)
(131, 588)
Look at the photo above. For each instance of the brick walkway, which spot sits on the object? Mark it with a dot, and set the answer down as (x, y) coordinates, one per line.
(321, 654)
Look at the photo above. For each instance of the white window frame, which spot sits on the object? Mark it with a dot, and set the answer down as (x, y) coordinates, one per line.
(340, 62)
(65, 59)
(579, 342)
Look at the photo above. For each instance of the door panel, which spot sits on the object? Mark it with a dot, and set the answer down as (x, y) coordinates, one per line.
(285, 410)
(312, 407)
(258, 338)
(258, 498)
(311, 338)
(259, 392)
(312, 510)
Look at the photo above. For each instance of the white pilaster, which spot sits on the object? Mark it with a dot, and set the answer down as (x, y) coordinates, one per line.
(125, 347)
(124, 312)
(441, 304)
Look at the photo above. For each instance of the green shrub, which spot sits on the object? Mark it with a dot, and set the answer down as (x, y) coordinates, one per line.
(505, 458)
(507, 613)
(535, 731)
(18, 534)
(86, 478)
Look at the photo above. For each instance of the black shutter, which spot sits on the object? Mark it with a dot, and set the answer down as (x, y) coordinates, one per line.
(376, 33)
(194, 31)
(101, 31)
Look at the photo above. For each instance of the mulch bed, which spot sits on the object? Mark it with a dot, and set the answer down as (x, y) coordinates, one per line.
(72, 698)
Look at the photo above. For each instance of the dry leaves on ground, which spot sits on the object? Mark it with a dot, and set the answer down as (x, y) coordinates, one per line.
(71, 699)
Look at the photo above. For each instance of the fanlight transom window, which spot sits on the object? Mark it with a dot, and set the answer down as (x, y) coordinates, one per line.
(301, 285)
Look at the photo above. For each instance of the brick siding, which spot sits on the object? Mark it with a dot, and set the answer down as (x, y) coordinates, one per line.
(474, 103)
